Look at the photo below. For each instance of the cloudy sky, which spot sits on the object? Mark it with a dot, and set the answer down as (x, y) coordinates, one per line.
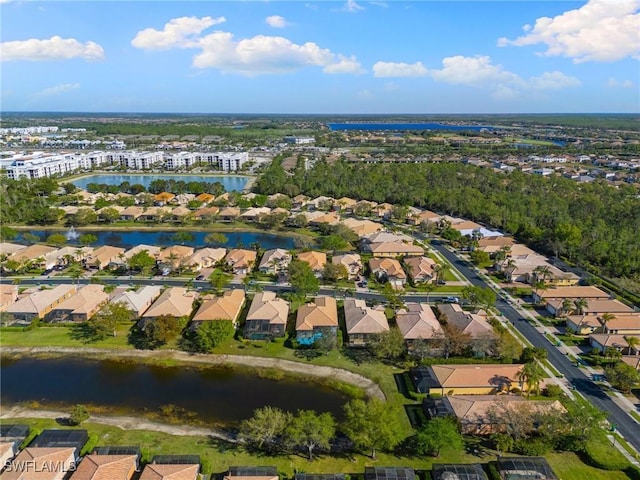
(354, 56)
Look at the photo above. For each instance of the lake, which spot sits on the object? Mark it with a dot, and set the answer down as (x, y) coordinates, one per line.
(405, 126)
(214, 394)
(230, 182)
(163, 238)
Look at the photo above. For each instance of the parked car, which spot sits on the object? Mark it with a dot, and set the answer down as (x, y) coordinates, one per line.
(451, 300)
(200, 277)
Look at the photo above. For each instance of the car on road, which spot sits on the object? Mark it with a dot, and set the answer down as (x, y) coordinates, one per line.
(451, 300)
(200, 277)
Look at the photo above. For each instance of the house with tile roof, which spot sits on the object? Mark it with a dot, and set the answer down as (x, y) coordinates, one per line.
(420, 269)
(33, 463)
(363, 324)
(316, 260)
(473, 324)
(81, 306)
(174, 301)
(275, 261)
(174, 258)
(226, 307)
(106, 467)
(37, 256)
(351, 261)
(39, 304)
(267, 317)
(102, 257)
(468, 379)
(138, 301)
(170, 471)
(316, 320)
(241, 260)
(8, 295)
(388, 270)
(418, 323)
(206, 258)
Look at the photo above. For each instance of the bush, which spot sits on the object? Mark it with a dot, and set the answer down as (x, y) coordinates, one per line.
(552, 391)
(601, 454)
(532, 447)
(79, 414)
(90, 445)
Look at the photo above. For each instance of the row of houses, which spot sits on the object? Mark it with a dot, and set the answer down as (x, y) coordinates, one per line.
(55, 455)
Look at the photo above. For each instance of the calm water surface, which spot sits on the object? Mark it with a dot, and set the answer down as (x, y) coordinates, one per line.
(230, 182)
(405, 126)
(163, 238)
(214, 394)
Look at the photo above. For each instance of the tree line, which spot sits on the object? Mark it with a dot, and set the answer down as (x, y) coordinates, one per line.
(594, 225)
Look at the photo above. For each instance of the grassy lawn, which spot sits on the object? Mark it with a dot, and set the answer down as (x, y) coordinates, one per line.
(217, 456)
(58, 337)
(569, 466)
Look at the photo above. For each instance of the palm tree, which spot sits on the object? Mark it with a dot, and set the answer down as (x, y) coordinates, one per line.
(531, 375)
(567, 305)
(428, 288)
(542, 272)
(581, 305)
(440, 270)
(605, 318)
(633, 342)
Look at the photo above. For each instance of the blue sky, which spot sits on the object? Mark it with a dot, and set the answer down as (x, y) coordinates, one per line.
(354, 56)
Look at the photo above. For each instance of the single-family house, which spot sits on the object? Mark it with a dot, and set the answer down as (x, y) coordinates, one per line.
(299, 201)
(206, 214)
(205, 198)
(254, 214)
(174, 258)
(183, 198)
(363, 324)
(37, 256)
(424, 217)
(418, 324)
(351, 261)
(316, 260)
(583, 324)
(174, 301)
(138, 301)
(226, 307)
(152, 250)
(240, 260)
(275, 261)
(591, 307)
(388, 270)
(477, 414)
(103, 467)
(267, 317)
(492, 245)
(178, 214)
(171, 471)
(393, 249)
(102, 256)
(560, 293)
(131, 213)
(153, 214)
(470, 379)
(473, 324)
(621, 324)
(81, 306)
(632, 360)
(35, 463)
(362, 227)
(229, 214)
(163, 198)
(602, 341)
(317, 320)
(206, 258)
(8, 450)
(344, 205)
(8, 295)
(7, 249)
(381, 210)
(420, 269)
(67, 255)
(321, 203)
(39, 304)
(328, 218)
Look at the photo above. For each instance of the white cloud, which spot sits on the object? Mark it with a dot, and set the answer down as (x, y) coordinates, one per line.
(352, 7)
(615, 83)
(365, 94)
(250, 56)
(57, 90)
(480, 72)
(276, 21)
(266, 54)
(600, 30)
(392, 69)
(344, 65)
(54, 48)
(180, 32)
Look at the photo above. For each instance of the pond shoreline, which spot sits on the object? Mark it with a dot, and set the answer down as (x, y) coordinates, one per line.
(156, 357)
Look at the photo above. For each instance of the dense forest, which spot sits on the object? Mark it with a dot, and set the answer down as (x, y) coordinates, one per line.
(594, 225)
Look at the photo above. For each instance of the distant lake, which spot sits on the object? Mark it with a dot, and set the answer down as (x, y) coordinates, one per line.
(163, 238)
(405, 126)
(230, 182)
(213, 394)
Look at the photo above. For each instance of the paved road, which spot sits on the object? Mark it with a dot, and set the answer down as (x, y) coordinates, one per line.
(583, 384)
